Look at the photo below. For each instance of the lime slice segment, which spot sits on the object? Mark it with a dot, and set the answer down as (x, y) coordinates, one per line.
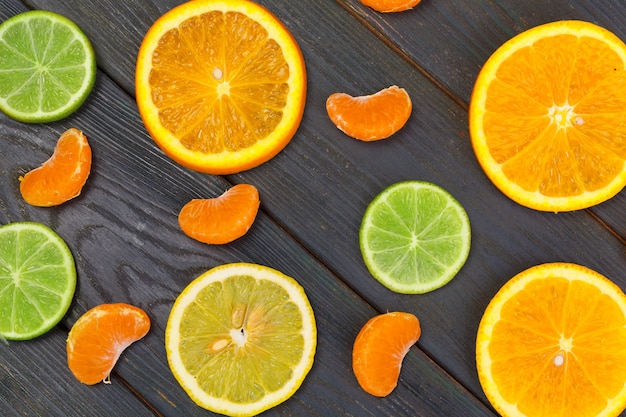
(414, 237)
(241, 338)
(48, 67)
(37, 280)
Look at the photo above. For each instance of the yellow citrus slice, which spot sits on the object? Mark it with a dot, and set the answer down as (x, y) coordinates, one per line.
(548, 115)
(221, 85)
(241, 338)
(552, 343)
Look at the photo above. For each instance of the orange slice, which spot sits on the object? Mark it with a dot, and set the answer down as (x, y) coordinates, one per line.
(221, 85)
(551, 343)
(61, 177)
(387, 6)
(371, 117)
(547, 116)
(221, 219)
(99, 337)
(379, 349)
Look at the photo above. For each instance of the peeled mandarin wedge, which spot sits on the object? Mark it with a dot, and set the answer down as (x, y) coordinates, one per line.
(99, 337)
(241, 338)
(371, 117)
(379, 349)
(221, 85)
(61, 177)
(221, 219)
(387, 6)
(547, 116)
(551, 343)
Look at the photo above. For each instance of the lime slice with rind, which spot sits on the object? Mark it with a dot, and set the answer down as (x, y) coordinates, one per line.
(37, 280)
(48, 67)
(241, 338)
(414, 237)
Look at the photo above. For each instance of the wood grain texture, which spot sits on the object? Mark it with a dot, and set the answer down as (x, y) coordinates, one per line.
(128, 247)
(450, 41)
(123, 233)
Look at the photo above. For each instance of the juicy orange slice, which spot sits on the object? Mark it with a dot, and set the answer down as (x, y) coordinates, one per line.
(221, 85)
(221, 219)
(547, 116)
(61, 177)
(551, 343)
(371, 117)
(387, 6)
(379, 349)
(99, 337)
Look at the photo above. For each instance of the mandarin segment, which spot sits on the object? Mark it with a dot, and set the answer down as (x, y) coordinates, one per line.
(99, 337)
(551, 343)
(546, 116)
(389, 6)
(222, 219)
(63, 175)
(370, 117)
(380, 348)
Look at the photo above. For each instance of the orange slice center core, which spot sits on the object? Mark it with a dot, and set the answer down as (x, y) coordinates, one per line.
(563, 116)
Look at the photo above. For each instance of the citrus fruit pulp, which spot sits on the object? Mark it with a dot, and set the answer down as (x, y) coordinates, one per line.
(370, 117)
(61, 177)
(99, 337)
(379, 349)
(221, 219)
(388, 6)
(221, 85)
(241, 338)
(547, 113)
(37, 280)
(414, 237)
(551, 343)
(48, 67)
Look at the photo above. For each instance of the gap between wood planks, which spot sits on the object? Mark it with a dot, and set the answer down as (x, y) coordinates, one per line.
(460, 102)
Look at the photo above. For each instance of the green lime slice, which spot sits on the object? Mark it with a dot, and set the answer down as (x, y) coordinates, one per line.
(414, 237)
(48, 67)
(37, 280)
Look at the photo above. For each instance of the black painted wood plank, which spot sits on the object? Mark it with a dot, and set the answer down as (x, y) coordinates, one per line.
(123, 232)
(35, 381)
(450, 41)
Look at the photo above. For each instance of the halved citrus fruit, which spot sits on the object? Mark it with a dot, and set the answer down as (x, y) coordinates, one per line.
(241, 338)
(48, 67)
(547, 116)
(61, 177)
(221, 85)
(380, 348)
(388, 6)
(221, 219)
(100, 336)
(370, 117)
(551, 343)
(414, 237)
(37, 280)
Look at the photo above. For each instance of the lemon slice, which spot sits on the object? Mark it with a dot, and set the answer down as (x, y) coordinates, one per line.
(241, 338)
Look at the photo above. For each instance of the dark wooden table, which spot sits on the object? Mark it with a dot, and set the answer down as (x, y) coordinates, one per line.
(128, 247)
